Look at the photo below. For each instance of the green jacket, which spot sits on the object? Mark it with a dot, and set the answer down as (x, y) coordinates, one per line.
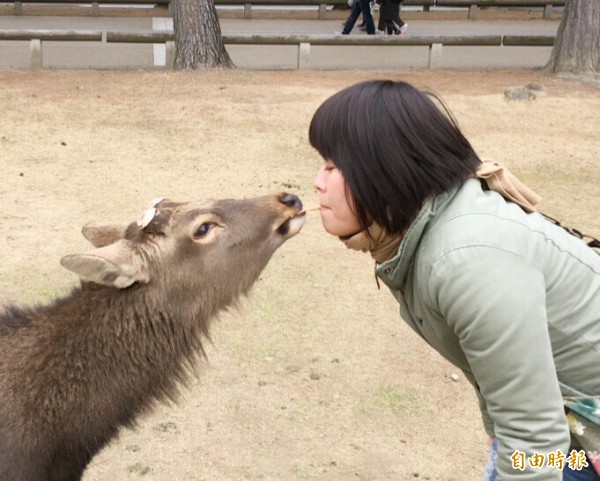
(514, 302)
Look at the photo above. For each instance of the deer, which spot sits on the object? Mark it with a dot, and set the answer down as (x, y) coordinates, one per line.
(77, 369)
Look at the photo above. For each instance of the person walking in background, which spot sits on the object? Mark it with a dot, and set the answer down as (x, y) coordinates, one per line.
(389, 17)
(360, 6)
(499, 290)
(373, 6)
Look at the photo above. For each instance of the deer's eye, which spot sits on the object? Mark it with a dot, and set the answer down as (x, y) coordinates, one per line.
(203, 229)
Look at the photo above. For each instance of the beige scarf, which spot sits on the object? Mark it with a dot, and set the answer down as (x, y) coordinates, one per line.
(383, 246)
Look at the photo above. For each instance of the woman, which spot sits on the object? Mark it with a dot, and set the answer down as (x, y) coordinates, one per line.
(507, 296)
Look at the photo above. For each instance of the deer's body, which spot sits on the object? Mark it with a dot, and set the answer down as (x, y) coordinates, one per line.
(74, 372)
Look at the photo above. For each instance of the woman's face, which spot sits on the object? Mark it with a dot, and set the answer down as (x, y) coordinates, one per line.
(337, 214)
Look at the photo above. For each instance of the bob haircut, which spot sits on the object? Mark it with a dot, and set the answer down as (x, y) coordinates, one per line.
(394, 147)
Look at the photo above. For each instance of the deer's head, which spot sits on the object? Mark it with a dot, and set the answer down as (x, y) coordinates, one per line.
(182, 249)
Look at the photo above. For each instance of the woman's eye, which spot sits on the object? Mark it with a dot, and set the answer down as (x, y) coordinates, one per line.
(203, 230)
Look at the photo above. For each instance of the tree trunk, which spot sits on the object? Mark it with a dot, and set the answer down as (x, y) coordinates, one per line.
(198, 41)
(577, 46)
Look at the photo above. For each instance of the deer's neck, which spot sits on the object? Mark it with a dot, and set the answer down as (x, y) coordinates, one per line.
(124, 344)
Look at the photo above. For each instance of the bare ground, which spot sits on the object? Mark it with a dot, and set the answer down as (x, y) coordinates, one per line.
(316, 376)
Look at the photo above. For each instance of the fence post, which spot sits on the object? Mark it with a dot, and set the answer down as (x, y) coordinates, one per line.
(18, 8)
(247, 11)
(303, 55)
(170, 54)
(322, 11)
(435, 55)
(548, 11)
(35, 49)
(473, 8)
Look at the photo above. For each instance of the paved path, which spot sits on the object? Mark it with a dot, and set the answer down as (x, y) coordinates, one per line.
(96, 55)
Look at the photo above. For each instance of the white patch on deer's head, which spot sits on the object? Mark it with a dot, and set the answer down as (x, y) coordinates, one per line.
(149, 213)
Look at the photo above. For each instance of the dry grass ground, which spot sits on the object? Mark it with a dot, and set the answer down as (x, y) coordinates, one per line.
(316, 377)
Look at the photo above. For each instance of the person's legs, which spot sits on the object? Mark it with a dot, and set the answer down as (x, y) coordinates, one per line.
(366, 11)
(396, 28)
(362, 25)
(490, 469)
(585, 474)
(354, 13)
(402, 25)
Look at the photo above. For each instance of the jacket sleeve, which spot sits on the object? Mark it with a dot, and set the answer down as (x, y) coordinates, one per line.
(495, 302)
(485, 417)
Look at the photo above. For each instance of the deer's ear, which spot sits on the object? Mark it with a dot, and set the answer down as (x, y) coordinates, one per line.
(115, 265)
(101, 235)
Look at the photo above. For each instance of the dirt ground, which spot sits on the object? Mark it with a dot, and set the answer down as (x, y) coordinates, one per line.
(316, 377)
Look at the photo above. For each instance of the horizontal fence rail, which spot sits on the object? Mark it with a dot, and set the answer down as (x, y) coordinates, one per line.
(528, 40)
(473, 6)
(303, 42)
(55, 35)
(323, 39)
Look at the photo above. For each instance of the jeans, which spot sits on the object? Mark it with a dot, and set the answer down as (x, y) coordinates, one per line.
(360, 6)
(586, 474)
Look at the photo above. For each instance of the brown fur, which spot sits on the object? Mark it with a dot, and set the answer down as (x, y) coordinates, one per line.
(75, 371)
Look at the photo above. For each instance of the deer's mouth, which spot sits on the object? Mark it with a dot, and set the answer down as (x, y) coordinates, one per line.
(292, 225)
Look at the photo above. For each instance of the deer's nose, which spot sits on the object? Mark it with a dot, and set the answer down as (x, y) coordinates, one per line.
(291, 200)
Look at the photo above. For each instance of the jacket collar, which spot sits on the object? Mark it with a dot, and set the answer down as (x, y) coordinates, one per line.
(394, 272)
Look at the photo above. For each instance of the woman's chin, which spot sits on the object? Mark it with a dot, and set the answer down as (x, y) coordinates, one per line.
(334, 228)
(329, 225)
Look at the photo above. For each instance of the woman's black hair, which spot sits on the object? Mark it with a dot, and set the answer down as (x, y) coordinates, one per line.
(394, 147)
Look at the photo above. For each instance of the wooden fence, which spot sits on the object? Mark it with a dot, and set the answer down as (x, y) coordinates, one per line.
(473, 6)
(303, 42)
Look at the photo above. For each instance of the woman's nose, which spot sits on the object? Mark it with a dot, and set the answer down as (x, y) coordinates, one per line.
(319, 182)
